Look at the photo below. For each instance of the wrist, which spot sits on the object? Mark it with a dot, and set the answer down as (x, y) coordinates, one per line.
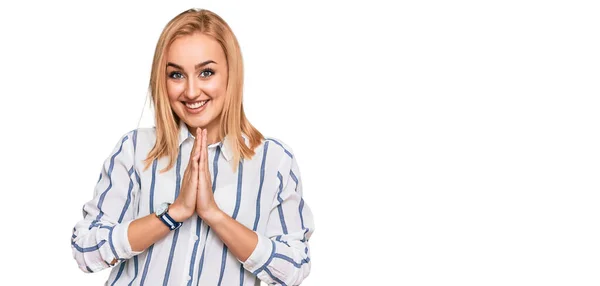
(179, 212)
(213, 216)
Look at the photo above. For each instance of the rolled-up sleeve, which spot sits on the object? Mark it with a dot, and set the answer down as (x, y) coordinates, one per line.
(282, 256)
(100, 237)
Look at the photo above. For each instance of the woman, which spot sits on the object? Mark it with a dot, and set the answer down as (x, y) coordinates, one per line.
(202, 198)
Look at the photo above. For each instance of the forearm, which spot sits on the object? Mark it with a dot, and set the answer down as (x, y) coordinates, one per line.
(147, 230)
(240, 240)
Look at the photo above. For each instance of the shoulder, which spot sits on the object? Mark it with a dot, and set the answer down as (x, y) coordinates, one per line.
(281, 150)
(280, 146)
(134, 134)
(143, 132)
(288, 169)
(142, 137)
(134, 139)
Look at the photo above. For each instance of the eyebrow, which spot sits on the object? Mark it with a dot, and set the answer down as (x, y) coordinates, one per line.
(170, 64)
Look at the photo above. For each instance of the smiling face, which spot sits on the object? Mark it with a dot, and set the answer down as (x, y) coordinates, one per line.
(197, 80)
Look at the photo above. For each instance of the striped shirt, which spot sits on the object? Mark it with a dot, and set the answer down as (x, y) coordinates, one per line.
(264, 194)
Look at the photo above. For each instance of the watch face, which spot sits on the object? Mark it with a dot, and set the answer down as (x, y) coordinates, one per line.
(162, 208)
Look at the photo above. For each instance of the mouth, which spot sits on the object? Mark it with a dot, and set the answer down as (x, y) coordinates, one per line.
(195, 106)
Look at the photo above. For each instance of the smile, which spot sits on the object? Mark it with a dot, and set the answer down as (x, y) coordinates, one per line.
(197, 104)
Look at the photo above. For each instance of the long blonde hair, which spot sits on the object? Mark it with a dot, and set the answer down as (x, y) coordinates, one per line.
(233, 120)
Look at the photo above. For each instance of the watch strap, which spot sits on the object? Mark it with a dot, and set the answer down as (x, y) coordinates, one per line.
(169, 221)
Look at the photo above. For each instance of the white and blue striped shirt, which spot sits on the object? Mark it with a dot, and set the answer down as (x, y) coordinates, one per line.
(264, 194)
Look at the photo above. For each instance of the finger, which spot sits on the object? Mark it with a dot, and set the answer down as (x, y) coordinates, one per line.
(192, 170)
(194, 161)
(200, 148)
(206, 160)
(197, 142)
(205, 150)
(194, 158)
(194, 151)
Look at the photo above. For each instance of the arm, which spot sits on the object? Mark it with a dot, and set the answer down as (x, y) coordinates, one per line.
(108, 234)
(146, 231)
(282, 255)
(100, 239)
(240, 240)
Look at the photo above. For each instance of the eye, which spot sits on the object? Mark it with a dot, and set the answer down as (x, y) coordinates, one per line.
(175, 75)
(207, 73)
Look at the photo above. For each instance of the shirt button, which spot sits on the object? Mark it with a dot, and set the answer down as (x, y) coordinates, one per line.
(189, 278)
(195, 237)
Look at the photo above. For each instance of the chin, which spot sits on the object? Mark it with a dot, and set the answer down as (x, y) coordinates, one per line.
(196, 122)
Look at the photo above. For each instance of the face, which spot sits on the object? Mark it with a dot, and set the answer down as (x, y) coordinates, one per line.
(197, 80)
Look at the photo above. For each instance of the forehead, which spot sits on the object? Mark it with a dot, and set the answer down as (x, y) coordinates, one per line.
(192, 49)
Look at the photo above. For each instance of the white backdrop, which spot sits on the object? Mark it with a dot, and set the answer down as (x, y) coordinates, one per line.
(440, 142)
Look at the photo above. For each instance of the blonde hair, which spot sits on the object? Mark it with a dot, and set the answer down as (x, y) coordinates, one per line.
(233, 120)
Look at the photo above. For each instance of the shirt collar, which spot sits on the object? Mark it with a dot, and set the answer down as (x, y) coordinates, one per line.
(226, 150)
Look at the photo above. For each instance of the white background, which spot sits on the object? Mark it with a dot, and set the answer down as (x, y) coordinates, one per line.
(440, 142)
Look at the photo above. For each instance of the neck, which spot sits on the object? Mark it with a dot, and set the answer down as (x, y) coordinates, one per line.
(213, 132)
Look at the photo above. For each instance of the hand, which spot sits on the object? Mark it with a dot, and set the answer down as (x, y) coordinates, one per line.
(205, 200)
(185, 204)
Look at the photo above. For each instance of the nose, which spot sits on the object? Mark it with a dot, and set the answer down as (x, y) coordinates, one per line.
(192, 89)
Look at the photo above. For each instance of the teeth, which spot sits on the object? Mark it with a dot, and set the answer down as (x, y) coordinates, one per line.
(196, 104)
